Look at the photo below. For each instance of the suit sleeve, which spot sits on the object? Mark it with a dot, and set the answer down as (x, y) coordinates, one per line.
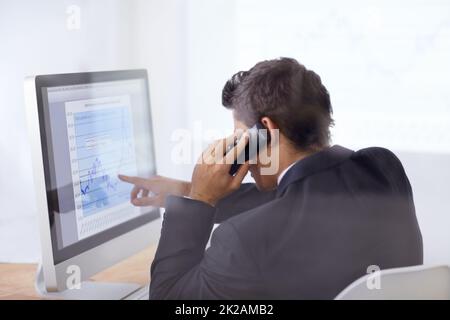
(182, 269)
(245, 198)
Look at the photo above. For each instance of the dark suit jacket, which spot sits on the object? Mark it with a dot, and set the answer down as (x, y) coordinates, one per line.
(334, 214)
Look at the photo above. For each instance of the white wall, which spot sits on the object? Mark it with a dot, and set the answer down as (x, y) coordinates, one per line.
(160, 41)
(114, 34)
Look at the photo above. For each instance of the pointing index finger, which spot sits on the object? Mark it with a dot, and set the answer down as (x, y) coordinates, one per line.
(137, 181)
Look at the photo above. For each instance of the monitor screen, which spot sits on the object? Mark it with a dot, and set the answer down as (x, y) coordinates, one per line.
(94, 126)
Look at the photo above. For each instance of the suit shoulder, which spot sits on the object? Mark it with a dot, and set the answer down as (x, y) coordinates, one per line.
(376, 151)
(383, 163)
(381, 156)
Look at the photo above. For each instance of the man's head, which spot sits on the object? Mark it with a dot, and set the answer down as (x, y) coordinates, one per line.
(281, 94)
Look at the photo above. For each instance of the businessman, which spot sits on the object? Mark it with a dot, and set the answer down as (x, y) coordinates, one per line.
(305, 232)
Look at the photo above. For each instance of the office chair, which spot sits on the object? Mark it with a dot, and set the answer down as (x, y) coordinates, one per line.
(409, 283)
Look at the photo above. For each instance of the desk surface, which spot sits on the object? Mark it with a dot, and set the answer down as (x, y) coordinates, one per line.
(17, 280)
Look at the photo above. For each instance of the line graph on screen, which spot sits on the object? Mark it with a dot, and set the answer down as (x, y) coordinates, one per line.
(103, 143)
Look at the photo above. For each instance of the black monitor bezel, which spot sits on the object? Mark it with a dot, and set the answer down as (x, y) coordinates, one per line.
(67, 79)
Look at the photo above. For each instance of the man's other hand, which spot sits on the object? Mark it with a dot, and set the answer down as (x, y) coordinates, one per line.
(153, 191)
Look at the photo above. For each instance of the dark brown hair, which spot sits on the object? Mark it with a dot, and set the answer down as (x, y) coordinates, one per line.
(289, 94)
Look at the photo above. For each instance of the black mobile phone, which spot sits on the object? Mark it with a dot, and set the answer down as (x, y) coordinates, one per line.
(257, 141)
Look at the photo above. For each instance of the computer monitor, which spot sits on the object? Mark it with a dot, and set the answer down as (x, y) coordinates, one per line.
(85, 129)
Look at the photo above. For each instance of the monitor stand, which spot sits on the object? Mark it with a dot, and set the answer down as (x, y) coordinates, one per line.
(89, 290)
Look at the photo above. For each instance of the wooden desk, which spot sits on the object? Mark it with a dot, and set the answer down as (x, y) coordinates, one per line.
(17, 280)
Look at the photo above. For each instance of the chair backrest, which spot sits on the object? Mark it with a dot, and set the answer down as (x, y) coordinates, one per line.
(409, 283)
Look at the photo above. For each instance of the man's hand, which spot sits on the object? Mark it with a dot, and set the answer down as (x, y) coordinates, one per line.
(153, 191)
(210, 179)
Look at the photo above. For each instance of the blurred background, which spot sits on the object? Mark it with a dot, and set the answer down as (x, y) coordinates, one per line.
(385, 63)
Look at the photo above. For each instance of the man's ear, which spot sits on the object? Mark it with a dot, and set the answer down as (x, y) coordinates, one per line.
(271, 126)
(268, 123)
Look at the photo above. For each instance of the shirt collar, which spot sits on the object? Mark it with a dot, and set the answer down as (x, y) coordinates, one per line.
(280, 177)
